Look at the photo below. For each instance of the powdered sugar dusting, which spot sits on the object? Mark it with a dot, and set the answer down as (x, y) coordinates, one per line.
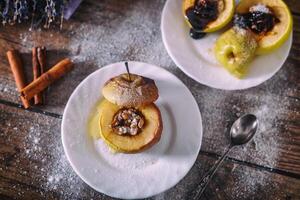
(220, 108)
(7, 89)
(240, 30)
(248, 182)
(132, 37)
(265, 147)
(123, 161)
(272, 110)
(56, 174)
(259, 8)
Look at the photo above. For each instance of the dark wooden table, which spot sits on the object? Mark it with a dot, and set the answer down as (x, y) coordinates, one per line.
(33, 165)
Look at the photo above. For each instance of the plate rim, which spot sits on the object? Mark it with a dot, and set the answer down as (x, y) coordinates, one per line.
(175, 60)
(78, 173)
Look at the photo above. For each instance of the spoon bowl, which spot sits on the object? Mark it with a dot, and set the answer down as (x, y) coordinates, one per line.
(243, 129)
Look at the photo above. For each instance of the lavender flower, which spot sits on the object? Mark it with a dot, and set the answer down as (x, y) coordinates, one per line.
(39, 11)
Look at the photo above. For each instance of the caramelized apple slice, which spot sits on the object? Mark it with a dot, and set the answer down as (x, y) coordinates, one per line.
(225, 9)
(280, 32)
(148, 136)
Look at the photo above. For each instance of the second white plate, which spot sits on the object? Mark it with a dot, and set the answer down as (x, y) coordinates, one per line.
(196, 58)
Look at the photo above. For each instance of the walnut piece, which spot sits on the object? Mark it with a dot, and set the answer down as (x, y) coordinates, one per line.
(128, 121)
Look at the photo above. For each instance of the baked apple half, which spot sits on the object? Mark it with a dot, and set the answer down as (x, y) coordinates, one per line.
(208, 15)
(272, 15)
(129, 130)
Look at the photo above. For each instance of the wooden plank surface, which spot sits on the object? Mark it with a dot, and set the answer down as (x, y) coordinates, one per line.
(281, 119)
(103, 32)
(33, 166)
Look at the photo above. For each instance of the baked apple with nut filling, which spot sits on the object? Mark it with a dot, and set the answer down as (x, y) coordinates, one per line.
(129, 120)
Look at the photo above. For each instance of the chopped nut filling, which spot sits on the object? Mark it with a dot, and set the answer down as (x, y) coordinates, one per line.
(128, 121)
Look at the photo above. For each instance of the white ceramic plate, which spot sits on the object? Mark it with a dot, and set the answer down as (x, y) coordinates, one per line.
(133, 175)
(196, 58)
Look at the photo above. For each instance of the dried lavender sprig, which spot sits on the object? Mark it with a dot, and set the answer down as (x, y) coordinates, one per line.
(33, 14)
(70, 7)
(62, 8)
(20, 11)
(5, 12)
(12, 11)
(2, 6)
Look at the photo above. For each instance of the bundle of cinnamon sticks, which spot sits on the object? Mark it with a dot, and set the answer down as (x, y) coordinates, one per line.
(41, 79)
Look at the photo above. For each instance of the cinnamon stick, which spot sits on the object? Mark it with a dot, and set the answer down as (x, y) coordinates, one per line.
(47, 78)
(42, 62)
(36, 73)
(42, 58)
(18, 73)
(39, 65)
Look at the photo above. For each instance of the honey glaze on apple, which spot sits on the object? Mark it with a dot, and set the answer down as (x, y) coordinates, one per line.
(260, 19)
(93, 121)
(200, 15)
(128, 121)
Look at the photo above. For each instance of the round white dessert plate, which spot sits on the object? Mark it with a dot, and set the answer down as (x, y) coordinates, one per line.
(196, 58)
(133, 176)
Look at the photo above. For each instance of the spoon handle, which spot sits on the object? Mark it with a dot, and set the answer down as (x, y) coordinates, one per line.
(205, 180)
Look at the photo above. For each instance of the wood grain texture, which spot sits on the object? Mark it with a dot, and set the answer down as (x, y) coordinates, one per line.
(274, 154)
(31, 153)
(294, 6)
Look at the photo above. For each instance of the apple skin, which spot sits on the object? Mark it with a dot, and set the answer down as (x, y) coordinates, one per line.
(235, 49)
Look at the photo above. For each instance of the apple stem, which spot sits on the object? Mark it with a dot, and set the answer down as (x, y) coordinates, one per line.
(127, 69)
